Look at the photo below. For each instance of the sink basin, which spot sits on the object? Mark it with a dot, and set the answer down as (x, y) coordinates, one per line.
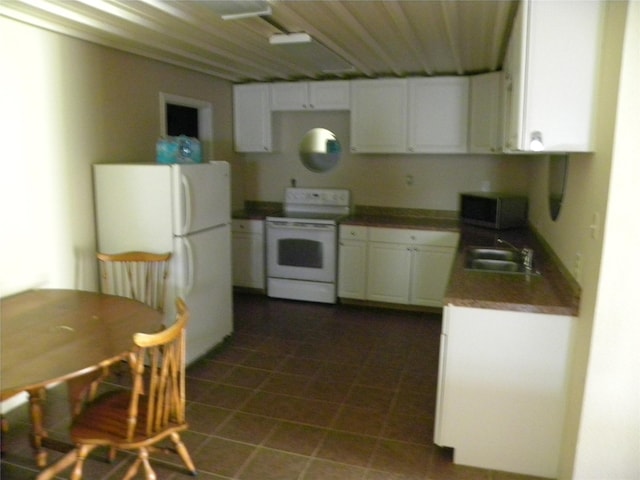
(500, 260)
(494, 254)
(493, 265)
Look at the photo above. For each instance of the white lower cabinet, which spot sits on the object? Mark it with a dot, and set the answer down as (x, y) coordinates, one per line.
(393, 265)
(389, 272)
(352, 262)
(248, 253)
(502, 388)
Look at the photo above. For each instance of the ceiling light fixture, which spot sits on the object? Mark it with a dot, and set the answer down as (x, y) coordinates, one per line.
(237, 9)
(289, 38)
(305, 49)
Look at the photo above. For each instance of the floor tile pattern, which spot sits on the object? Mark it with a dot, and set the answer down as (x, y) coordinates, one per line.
(302, 391)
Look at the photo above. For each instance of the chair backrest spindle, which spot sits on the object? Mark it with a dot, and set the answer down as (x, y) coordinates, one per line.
(139, 275)
(158, 366)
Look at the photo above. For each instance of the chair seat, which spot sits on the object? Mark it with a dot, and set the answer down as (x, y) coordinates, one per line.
(101, 423)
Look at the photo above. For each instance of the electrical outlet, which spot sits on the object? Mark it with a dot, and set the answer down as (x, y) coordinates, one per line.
(595, 225)
(409, 180)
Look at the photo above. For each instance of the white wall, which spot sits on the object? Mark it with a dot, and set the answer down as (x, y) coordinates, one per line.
(67, 104)
(608, 442)
(378, 180)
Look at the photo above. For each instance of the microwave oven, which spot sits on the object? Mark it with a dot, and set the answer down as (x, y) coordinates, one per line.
(493, 210)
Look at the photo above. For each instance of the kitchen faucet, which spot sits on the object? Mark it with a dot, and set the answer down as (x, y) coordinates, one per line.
(527, 253)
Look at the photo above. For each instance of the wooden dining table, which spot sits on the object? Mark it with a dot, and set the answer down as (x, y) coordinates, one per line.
(53, 336)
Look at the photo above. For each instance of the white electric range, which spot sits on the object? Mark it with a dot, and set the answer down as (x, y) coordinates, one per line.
(302, 244)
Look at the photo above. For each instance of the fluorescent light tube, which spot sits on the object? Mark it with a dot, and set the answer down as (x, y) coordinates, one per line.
(289, 38)
(236, 9)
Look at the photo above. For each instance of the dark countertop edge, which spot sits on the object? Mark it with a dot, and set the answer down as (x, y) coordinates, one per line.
(417, 223)
(389, 217)
(512, 307)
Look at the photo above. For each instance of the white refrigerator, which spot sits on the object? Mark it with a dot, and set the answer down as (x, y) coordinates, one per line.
(184, 209)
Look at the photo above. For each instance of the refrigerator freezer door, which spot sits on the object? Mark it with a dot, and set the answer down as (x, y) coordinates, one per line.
(202, 197)
(202, 273)
(133, 207)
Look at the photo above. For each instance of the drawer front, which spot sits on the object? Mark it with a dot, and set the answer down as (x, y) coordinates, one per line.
(247, 226)
(353, 232)
(414, 237)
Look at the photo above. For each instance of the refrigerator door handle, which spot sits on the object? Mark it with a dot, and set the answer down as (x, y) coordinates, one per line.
(187, 201)
(190, 272)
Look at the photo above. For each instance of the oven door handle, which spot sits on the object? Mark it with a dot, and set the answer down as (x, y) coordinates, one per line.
(299, 226)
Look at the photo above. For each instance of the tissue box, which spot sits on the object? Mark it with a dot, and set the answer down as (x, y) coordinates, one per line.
(180, 149)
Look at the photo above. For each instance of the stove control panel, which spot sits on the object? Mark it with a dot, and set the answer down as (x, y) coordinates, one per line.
(337, 197)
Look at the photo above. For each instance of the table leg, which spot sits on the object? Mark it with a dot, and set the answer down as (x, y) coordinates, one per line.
(38, 433)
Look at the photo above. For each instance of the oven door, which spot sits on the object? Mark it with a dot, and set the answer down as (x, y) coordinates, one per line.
(301, 251)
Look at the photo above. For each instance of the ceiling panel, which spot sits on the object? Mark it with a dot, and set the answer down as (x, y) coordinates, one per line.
(377, 38)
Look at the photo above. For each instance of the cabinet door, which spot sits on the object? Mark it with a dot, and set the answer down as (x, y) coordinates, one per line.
(501, 404)
(485, 113)
(430, 272)
(352, 269)
(252, 118)
(329, 95)
(552, 44)
(388, 272)
(513, 88)
(438, 114)
(378, 116)
(291, 96)
(248, 260)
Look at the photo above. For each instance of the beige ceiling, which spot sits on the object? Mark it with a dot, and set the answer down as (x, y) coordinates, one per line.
(375, 37)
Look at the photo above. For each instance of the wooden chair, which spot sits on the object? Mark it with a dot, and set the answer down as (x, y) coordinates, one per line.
(138, 275)
(137, 419)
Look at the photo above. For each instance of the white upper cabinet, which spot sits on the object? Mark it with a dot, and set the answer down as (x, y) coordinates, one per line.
(298, 96)
(378, 116)
(252, 118)
(419, 115)
(438, 114)
(550, 76)
(485, 113)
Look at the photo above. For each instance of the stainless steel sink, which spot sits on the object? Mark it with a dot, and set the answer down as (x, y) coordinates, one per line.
(499, 260)
(494, 254)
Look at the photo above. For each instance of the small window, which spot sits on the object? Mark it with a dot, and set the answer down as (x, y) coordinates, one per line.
(182, 120)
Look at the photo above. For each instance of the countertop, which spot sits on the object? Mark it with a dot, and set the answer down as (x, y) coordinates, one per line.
(420, 222)
(551, 292)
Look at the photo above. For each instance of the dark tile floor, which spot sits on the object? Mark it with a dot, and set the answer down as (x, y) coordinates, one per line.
(301, 391)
